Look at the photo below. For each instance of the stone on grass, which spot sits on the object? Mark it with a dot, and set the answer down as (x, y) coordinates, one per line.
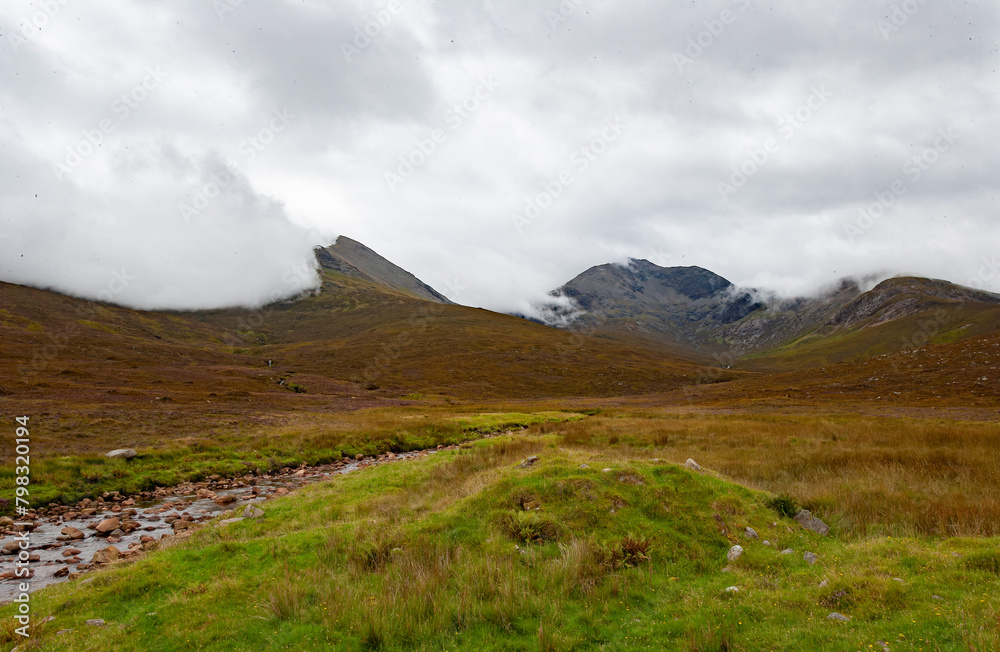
(810, 558)
(786, 551)
(734, 553)
(840, 618)
(529, 462)
(96, 622)
(810, 522)
(691, 464)
(751, 533)
(121, 453)
(732, 589)
(252, 511)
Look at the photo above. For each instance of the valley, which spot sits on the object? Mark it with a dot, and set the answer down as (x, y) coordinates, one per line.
(553, 505)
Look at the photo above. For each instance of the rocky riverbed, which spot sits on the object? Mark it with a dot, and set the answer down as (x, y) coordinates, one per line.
(65, 541)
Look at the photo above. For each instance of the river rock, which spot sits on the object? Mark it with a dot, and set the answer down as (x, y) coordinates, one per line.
(121, 454)
(6, 521)
(206, 493)
(810, 522)
(226, 500)
(106, 555)
(108, 525)
(11, 547)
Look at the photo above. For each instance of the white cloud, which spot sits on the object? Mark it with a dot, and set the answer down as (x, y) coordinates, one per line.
(651, 193)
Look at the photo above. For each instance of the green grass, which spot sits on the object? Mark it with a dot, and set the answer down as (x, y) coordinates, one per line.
(468, 550)
(69, 479)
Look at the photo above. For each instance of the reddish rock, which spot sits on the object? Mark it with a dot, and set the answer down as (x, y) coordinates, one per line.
(108, 525)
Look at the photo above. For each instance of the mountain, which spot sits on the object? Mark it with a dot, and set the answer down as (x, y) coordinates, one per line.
(697, 309)
(351, 258)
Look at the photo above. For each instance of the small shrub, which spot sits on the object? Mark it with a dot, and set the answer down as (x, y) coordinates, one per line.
(635, 550)
(528, 527)
(784, 505)
(838, 599)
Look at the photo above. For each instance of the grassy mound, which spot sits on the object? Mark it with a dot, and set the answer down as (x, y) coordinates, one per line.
(475, 550)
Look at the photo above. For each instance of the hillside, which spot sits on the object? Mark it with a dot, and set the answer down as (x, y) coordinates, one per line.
(487, 548)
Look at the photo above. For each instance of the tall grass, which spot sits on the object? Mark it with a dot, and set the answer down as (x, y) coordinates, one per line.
(871, 476)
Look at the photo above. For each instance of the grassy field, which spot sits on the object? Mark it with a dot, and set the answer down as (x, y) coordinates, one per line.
(468, 550)
(284, 443)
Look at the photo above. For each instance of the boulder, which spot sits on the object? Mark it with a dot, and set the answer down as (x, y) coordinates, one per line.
(691, 464)
(206, 493)
(106, 555)
(73, 533)
(121, 454)
(11, 547)
(734, 553)
(751, 533)
(252, 511)
(810, 522)
(226, 500)
(810, 558)
(6, 521)
(108, 525)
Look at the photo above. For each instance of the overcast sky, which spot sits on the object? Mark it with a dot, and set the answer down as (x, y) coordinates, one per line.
(188, 153)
